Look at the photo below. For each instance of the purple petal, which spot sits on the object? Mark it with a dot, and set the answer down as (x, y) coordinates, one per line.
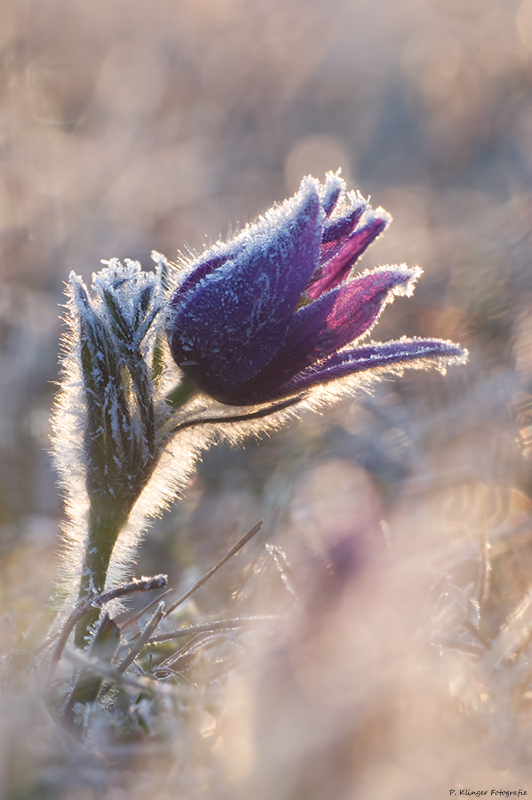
(235, 319)
(215, 257)
(337, 229)
(318, 330)
(346, 313)
(345, 252)
(208, 262)
(334, 187)
(415, 353)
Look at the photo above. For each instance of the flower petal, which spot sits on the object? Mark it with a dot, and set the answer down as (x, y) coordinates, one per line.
(345, 314)
(236, 317)
(414, 353)
(334, 187)
(211, 260)
(377, 356)
(346, 250)
(318, 330)
(338, 228)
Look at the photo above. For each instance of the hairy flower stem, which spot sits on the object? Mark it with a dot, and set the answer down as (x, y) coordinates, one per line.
(104, 529)
(107, 517)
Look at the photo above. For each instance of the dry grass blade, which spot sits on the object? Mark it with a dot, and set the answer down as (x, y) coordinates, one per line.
(144, 610)
(244, 540)
(143, 638)
(182, 657)
(139, 585)
(112, 675)
(216, 625)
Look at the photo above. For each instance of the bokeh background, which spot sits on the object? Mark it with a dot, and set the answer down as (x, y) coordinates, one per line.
(128, 126)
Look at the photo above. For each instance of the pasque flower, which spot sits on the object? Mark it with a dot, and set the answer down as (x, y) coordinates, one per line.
(274, 311)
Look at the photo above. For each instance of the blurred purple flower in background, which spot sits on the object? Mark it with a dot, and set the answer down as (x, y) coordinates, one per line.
(270, 313)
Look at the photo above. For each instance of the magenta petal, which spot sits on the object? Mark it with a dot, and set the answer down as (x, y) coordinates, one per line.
(346, 313)
(320, 329)
(348, 251)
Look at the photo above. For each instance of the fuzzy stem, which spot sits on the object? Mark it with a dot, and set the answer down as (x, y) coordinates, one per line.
(105, 525)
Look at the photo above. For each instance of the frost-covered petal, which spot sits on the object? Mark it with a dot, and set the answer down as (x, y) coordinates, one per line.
(377, 356)
(234, 320)
(341, 253)
(333, 189)
(202, 267)
(416, 353)
(322, 328)
(337, 229)
(340, 317)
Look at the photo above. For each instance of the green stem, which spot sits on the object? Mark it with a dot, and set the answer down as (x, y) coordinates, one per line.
(107, 516)
(105, 525)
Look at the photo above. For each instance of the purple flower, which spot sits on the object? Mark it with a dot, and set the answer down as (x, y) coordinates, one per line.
(273, 312)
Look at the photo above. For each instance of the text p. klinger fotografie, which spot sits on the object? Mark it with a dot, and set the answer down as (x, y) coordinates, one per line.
(488, 792)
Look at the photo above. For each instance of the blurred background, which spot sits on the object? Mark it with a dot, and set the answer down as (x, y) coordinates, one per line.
(129, 125)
